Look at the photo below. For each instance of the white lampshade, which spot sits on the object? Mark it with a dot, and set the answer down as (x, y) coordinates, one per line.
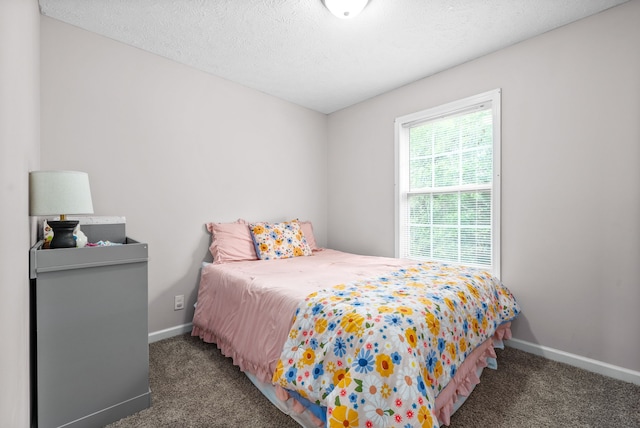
(59, 192)
(345, 8)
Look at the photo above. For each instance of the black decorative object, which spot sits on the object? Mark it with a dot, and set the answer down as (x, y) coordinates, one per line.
(63, 233)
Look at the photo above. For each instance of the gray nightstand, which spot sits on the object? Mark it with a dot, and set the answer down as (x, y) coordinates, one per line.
(90, 353)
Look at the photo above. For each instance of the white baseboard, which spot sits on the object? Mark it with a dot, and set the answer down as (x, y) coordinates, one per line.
(589, 364)
(170, 332)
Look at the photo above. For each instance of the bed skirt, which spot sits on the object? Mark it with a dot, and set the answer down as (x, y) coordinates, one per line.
(447, 402)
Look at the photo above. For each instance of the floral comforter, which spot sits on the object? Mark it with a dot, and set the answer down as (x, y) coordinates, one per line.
(376, 353)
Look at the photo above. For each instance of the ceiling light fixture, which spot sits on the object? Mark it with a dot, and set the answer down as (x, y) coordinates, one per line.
(345, 8)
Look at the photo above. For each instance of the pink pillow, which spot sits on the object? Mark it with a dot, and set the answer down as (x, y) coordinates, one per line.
(231, 242)
(307, 231)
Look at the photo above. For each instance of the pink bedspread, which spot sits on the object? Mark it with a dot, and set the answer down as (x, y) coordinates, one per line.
(246, 308)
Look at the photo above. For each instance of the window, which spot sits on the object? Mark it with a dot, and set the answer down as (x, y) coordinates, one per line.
(448, 183)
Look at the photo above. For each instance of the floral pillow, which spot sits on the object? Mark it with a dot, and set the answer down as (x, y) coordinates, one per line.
(279, 240)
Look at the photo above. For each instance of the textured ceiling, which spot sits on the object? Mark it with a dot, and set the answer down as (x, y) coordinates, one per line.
(296, 50)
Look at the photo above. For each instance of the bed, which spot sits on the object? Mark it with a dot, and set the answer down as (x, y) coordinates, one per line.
(339, 339)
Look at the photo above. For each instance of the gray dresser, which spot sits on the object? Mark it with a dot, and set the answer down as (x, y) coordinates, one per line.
(89, 337)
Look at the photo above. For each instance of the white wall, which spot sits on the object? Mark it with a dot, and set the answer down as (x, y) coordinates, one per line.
(172, 148)
(19, 140)
(570, 178)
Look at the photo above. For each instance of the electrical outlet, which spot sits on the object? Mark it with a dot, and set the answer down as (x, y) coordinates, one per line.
(178, 302)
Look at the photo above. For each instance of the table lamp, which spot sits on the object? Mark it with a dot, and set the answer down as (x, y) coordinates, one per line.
(62, 193)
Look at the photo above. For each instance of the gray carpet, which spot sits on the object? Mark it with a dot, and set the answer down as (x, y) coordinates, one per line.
(194, 385)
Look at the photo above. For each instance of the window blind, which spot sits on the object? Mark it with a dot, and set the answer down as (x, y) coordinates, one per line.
(447, 189)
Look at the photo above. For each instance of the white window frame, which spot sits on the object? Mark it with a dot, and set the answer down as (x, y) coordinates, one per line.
(402, 126)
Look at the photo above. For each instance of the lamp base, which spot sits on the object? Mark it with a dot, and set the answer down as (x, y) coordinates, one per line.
(63, 233)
